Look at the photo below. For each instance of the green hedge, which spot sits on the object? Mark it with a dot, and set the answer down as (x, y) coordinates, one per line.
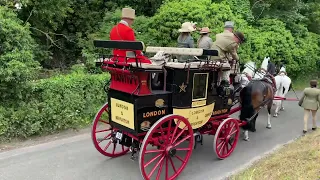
(54, 104)
(265, 36)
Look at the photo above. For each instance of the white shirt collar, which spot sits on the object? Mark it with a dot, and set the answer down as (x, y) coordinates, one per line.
(124, 22)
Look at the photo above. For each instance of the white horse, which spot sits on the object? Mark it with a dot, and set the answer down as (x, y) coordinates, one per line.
(247, 73)
(263, 71)
(283, 83)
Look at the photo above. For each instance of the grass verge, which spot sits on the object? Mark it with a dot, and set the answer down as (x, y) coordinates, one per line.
(303, 81)
(298, 160)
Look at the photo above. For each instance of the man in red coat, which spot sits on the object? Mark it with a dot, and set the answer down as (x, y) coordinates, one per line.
(123, 32)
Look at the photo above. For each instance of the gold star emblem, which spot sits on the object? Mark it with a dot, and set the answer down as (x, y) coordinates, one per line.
(159, 103)
(182, 87)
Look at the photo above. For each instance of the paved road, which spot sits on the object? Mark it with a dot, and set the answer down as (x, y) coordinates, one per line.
(76, 159)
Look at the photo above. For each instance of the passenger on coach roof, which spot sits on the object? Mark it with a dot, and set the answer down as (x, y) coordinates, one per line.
(185, 39)
(123, 32)
(205, 41)
(227, 43)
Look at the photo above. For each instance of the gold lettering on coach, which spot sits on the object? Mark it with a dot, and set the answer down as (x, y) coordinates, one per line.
(154, 113)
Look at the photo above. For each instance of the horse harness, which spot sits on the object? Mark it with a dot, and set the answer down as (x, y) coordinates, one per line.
(270, 80)
(264, 102)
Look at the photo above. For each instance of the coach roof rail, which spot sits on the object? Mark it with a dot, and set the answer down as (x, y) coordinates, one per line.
(124, 45)
(183, 51)
(139, 45)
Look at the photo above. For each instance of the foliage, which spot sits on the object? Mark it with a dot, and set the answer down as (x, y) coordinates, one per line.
(265, 36)
(164, 25)
(54, 104)
(62, 28)
(16, 56)
(60, 34)
(59, 25)
(142, 7)
(312, 11)
(241, 8)
(285, 10)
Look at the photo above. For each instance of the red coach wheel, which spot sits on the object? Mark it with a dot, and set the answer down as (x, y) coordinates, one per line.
(167, 137)
(226, 138)
(103, 137)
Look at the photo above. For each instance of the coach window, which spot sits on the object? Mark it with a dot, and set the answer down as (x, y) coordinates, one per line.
(200, 86)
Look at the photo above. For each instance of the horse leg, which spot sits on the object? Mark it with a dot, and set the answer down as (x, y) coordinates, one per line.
(246, 135)
(281, 106)
(278, 104)
(287, 88)
(253, 124)
(269, 115)
(284, 92)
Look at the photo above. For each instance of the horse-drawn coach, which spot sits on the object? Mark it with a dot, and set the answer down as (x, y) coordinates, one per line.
(161, 110)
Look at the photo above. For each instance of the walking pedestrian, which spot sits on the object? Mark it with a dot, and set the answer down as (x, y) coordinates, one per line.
(310, 101)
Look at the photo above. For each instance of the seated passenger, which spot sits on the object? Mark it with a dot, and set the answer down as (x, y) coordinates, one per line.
(205, 41)
(123, 32)
(185, 39)
(227, 44)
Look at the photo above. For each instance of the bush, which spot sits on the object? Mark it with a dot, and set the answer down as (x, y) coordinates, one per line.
(54, 104)
(17, 65)
(164, 25)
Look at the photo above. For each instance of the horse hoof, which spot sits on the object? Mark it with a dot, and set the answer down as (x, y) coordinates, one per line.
(246, 139)
(275, 115)
(268, 127)
(282, 109)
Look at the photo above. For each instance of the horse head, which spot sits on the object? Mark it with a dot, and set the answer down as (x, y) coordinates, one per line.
(247, 73)
(282, 71)
(249, 68)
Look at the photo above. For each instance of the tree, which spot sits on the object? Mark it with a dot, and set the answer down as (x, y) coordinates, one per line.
(17, 64)
(312, 12)
(59, 25)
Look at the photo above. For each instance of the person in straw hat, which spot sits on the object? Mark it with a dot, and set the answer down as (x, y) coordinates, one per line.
(310, 101)
(123, 32)
(205, 41)
(185, 39)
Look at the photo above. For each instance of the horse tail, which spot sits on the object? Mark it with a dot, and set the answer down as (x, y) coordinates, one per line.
(247, 109)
